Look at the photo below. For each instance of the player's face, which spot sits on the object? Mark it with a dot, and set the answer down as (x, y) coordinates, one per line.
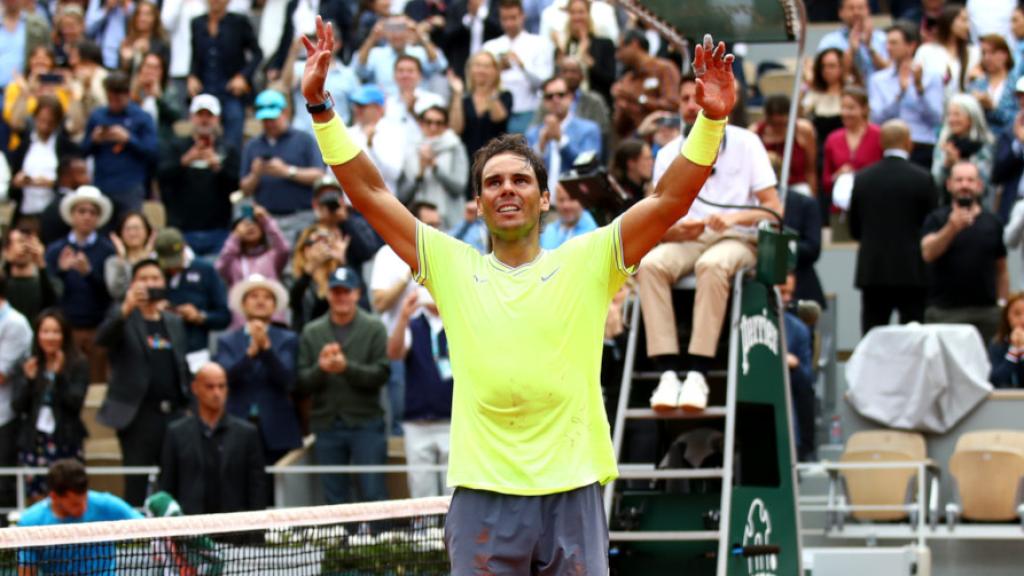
(69, 505)
(510, 198)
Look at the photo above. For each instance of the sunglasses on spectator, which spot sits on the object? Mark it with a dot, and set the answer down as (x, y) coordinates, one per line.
(438, 123)
(86, 210)
(317, 238)
(553, 95)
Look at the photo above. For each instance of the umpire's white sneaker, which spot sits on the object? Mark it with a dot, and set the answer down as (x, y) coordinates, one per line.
(693, 394)
(666, 395)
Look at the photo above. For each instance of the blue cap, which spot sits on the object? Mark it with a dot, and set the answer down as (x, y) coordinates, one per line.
(368, 94)
(270, 104)
(344, 277)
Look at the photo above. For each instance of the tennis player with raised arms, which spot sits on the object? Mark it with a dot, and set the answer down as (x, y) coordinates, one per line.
(530, 442)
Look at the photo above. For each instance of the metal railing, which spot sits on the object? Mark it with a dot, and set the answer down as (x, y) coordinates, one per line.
(922, 512)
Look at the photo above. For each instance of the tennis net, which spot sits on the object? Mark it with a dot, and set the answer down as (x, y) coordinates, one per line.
(399, 537)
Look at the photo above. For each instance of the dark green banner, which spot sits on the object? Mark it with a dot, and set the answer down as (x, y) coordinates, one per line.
(730, 20)
(763, 503)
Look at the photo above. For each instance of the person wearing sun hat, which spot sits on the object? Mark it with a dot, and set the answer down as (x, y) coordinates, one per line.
(77, 260)
(260, 359)
(280, 166)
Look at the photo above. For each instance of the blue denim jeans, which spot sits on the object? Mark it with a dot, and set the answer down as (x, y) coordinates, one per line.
(396, 397)
(342, 444)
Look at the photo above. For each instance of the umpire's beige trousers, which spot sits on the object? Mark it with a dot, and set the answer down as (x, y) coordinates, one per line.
(715, 258)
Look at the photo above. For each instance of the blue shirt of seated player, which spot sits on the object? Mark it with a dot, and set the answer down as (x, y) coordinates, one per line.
(70, 502)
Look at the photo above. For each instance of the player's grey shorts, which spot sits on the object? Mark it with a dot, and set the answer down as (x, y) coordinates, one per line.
(487, 533)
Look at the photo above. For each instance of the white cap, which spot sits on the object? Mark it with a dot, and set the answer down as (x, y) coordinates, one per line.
(425, 101)
(206, 102)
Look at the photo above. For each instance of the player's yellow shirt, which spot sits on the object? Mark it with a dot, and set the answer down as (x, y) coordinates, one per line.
(525, 346)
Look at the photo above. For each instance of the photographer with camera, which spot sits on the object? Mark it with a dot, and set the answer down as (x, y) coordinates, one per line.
(256, 246)
(963, 247)
(197, 176)
(334, 213)
(195, 291)
(29, 288)
(149, 378)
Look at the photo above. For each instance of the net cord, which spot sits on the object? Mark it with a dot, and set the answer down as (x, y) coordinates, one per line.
(200, 525)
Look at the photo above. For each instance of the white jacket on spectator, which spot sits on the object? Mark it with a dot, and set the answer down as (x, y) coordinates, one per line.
(387, 152)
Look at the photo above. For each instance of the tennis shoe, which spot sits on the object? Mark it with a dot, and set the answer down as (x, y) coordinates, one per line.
(666, 396)
(693, 394)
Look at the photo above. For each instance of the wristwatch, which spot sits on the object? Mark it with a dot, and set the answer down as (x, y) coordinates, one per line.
(327, 104)
(292, 171)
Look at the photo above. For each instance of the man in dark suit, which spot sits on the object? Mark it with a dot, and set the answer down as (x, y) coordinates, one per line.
(803, 215)
(890, 202)
(468, 24)
(260, 361)
(148, 385)
(1009, 164)
(212, 461)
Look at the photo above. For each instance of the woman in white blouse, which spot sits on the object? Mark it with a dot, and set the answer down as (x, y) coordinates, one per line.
(35, 161)
(952, 55)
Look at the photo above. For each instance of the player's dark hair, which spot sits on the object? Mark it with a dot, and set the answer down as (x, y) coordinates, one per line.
(67, 475)
(3, 284)
(508, 144)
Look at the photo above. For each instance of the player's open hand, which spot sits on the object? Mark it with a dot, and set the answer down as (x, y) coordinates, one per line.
(318, 61)
(716, 87)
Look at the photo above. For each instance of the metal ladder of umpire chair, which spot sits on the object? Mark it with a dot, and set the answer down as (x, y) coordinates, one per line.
(725, 560)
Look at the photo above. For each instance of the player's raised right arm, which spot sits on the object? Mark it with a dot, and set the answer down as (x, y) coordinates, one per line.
(356, 173)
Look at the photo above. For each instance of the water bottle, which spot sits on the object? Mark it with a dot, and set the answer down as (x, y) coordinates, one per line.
(835, 432)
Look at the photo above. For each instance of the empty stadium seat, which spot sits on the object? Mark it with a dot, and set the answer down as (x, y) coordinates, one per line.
(776, 82)
(888, 487)
(984, 439)
(987, 467)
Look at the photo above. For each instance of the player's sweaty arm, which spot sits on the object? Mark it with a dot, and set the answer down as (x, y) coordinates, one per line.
(356, 173)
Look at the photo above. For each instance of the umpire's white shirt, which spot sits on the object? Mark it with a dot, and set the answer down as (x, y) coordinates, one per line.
(742, 169)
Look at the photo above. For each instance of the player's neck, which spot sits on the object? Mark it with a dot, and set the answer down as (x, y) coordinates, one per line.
(515, 253)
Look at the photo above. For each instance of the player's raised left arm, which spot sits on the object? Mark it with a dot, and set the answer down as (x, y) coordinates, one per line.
(646, 222)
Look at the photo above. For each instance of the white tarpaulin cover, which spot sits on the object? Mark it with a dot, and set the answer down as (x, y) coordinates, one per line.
(919, 377)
